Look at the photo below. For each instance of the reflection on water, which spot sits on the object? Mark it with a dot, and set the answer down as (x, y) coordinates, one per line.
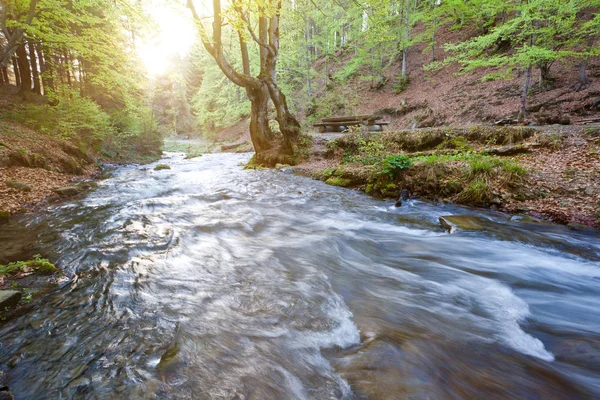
(207, 281)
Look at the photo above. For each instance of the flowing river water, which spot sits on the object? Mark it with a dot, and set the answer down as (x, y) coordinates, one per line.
(208, 281)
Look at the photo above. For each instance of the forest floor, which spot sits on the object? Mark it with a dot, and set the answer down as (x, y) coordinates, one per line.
(33, 166)
(550, 172)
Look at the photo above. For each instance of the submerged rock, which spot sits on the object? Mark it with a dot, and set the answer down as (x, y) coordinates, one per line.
(9, 298)
(454, 223)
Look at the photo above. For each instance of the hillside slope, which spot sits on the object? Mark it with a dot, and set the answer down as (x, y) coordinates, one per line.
(444, 97)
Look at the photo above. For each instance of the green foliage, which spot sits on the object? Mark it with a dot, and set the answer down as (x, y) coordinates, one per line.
(392, 165)
(74, 118)
(38, 265)
(159, 167)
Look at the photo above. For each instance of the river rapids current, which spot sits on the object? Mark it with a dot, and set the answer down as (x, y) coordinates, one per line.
(208, 281)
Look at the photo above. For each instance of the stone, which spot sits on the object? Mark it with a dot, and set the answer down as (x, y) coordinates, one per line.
(67, 191)
(564, 203)
(9, 298)
(588, 191)
(455, 223)
(161, 166)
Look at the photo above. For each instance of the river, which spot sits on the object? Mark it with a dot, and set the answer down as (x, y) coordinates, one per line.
(208, 281)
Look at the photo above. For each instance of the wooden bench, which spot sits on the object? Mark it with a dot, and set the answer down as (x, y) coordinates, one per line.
(340, 124)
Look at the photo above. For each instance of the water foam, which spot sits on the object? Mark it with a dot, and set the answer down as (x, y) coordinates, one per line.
(499, 304)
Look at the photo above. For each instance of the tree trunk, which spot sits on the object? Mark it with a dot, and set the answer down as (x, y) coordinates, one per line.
(288, 124)
(5, 75)
(37, 88)
(46, 81)
(526, 85)
(260, 132)
(16, 71)
(24, 69)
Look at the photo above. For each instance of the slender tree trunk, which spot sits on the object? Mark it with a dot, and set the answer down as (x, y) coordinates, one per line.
(42, 64)
(16, 71)
(24, 69)
(67, 65)
(37, 87)
(2, 79)
(406, 32)
(5, 75)
(524, 94)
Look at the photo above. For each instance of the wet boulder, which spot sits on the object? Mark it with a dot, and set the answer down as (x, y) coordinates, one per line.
(9, 298)
(67, 190)
(455, 223)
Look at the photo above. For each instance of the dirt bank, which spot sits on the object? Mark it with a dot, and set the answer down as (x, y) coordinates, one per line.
(551, 172)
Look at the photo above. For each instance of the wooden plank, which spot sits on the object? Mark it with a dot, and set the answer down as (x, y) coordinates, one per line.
(351, 118)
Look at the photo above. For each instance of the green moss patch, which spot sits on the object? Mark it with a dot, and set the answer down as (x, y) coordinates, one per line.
(161, 166)
(38, 265)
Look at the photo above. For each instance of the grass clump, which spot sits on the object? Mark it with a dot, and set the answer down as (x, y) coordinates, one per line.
(550, 141)
(161, 166)
(38, 265)
(476, 192)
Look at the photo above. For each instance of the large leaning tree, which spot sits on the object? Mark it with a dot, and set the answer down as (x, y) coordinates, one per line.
(258, 21)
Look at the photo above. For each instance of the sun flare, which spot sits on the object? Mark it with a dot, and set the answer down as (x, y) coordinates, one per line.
(173, 37)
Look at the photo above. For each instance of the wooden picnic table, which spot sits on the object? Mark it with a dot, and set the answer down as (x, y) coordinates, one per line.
(340, 124)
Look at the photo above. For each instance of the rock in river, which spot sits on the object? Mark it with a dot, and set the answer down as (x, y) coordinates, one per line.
(67, 191)
(454, 223)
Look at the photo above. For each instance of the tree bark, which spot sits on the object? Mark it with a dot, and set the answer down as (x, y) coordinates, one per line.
(37, 87)
(524, 94)
(24, 68)
(5, 75)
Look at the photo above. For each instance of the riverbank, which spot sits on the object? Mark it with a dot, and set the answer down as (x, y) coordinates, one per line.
(548, 172)
(34, 168)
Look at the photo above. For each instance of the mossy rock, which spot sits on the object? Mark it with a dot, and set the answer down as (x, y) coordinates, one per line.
(161, 167)
(18, 185)
(337, 181)
(38, 265)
